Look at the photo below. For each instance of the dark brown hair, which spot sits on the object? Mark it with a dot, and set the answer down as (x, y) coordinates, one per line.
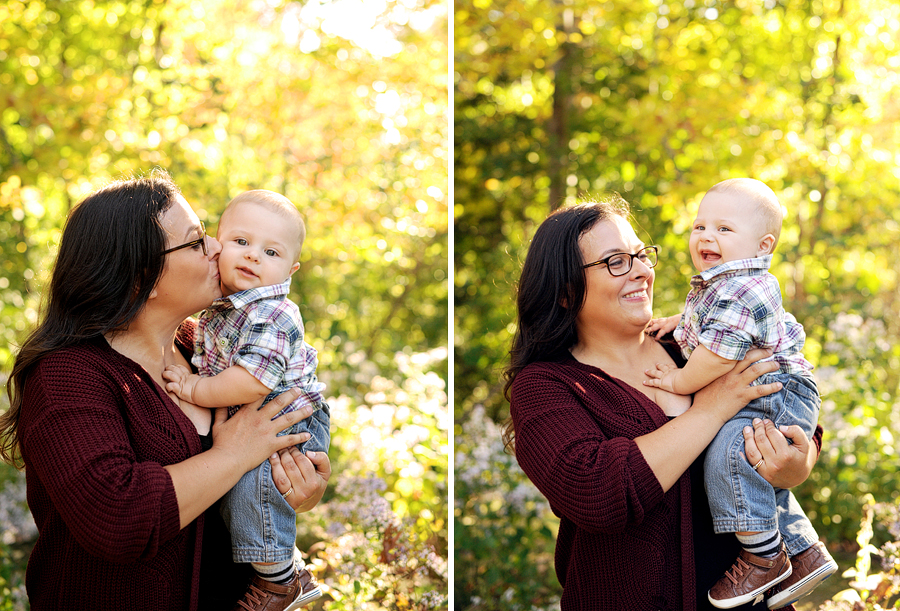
(108, 263)
(551, 289)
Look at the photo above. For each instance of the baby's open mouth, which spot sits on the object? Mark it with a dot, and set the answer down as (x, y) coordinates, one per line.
(709, 257)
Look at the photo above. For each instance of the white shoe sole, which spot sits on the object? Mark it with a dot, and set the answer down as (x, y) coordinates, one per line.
(728, 603)
(304, 599)
(803, 587)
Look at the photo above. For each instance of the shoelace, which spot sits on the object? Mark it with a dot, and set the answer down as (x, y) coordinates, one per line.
(250, 599)
(738, 569)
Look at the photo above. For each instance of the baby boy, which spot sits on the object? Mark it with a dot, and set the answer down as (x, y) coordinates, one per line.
(249, 345)
(735, 305)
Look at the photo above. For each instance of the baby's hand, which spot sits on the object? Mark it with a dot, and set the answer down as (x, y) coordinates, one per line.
(181, 381)
(662, 326)
(662, 376)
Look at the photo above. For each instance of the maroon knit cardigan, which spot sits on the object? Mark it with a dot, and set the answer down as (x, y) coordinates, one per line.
(95, 432)
(622, 542)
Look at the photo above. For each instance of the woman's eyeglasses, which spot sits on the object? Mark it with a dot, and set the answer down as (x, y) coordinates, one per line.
(620, 263)
(201, 241)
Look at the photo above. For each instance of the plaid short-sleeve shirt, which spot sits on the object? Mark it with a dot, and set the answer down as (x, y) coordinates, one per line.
(261, 330)
(736, 306)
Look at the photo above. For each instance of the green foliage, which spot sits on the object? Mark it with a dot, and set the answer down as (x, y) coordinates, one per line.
(497, 508)
(860, 416)
(353, 131)
(380, 537)
(873, 590)
(659, 101)
(350, 124)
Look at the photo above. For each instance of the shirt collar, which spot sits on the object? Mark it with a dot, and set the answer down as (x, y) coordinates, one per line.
(242, 298)
(702, 280)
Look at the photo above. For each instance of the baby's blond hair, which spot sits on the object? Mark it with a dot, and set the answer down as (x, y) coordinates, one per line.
(276, 202)
(767, 205)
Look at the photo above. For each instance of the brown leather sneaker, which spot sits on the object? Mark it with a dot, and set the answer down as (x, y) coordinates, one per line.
(810, 568)
(749, 578)
(262, 595)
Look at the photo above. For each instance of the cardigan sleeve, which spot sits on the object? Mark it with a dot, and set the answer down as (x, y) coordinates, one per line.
(599, 481)
(75, 438)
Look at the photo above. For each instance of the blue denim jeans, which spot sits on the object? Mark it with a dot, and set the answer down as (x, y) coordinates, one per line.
(262, 524)
(739, 498)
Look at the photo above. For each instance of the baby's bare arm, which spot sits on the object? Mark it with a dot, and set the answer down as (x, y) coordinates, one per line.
(702, 367)
(233, 386)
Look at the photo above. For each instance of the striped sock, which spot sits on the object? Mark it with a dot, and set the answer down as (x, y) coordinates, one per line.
(765, 544)
(279, 572)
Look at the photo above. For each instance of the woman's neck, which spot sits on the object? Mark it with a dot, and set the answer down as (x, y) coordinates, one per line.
(611, 350)
(147, 343)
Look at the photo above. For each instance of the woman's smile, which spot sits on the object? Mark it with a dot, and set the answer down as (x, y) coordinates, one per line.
(641, 294)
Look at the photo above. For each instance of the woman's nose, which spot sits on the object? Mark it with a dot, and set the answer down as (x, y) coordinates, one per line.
(213, 246)
(640, 268)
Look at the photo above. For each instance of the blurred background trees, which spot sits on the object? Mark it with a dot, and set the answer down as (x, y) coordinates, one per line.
(659, 101)
(341, 105)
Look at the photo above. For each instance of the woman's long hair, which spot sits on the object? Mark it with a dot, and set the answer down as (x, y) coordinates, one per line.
(551, 289)
(108, 263)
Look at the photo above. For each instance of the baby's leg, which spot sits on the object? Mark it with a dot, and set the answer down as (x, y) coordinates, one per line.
(262, 524)
(795, 528)
(319, 426)
(801, 408)
(740, 500)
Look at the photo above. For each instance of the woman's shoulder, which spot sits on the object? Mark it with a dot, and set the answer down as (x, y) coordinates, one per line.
(85, 354)
(566, 375)
(564, 367)
(88, 368)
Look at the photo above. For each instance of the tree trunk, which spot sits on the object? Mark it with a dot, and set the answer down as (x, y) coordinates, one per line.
(559, 123)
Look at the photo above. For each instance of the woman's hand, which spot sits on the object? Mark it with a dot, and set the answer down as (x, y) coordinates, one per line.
(782, 464)
(727, 395)
(240, 443)
(251, 433)
(305, 476)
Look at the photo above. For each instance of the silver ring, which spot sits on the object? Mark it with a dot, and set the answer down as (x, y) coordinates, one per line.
(291, 491)
(756, 466)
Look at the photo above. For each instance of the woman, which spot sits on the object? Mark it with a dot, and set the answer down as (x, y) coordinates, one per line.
(117, 480)
(616, 459)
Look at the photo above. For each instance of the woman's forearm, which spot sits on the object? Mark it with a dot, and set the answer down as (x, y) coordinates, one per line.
(671, 449)
(239, 444)
(202, 479)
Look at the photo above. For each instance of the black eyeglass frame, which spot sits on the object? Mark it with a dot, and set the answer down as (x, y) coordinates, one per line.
(201, 241)
(654, 249)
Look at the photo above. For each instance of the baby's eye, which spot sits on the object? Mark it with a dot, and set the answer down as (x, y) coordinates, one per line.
(699, 227)
(723, 229)
(241, 241)
(271, 252)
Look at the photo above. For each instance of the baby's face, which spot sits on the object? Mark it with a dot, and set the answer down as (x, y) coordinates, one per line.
(258, 248)
(727, 228)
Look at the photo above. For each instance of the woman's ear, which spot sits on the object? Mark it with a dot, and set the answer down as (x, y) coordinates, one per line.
(766, 245)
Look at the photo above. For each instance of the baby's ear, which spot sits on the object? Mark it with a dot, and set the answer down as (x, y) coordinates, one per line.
(294, 268)
(766, 245)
